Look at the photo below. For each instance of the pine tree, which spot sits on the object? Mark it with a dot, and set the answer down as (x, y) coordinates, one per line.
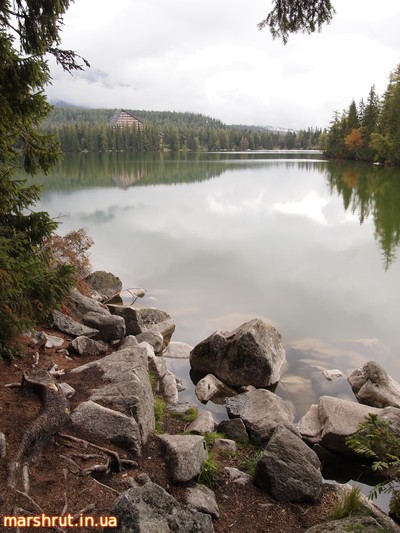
(30, 282)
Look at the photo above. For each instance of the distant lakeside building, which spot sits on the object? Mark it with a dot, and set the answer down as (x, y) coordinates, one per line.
(125, 119)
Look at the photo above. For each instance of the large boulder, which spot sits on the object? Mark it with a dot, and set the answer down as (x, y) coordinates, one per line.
(261, 412)
(288, 469)
(126, 386)
(202, 499)
(252, 354)
(67, 325)
(373, 386)
(333, 420)
(106, 423)
(111, 327)
(85, 346)
(185, 456)
(150, 509)
(146, 319)
(104, 285)
(233, 428)
(84, 304)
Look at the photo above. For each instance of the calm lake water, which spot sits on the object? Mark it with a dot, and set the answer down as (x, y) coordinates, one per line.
(218, 239)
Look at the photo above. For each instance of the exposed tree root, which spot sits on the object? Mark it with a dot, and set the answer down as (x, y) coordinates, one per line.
(54, 415)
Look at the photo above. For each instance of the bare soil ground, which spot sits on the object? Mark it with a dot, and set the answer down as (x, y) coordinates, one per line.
(57, 485)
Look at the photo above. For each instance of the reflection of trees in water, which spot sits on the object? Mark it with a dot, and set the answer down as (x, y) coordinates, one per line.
(81, 171)
(370, 191)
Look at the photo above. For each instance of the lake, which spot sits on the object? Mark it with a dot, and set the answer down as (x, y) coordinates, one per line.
(217, 239)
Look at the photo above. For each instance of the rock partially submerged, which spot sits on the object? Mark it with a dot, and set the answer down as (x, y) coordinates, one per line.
(252, 354)
(373, 386)
(333, 420)
(261, 412)
(211, 387)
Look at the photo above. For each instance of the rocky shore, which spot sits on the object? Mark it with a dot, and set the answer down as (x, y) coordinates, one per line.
(126, 385)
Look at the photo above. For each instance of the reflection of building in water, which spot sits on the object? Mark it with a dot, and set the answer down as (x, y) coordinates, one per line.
(126, 179)
(124, 118)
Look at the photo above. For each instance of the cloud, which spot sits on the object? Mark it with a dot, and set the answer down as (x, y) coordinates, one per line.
(208, 57)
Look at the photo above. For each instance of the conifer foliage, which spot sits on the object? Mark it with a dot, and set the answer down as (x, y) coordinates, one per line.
(369, 132)
(31, 283)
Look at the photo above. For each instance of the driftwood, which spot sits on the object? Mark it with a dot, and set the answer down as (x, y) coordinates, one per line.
(54, 415)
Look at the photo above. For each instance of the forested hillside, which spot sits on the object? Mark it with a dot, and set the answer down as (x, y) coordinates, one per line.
(80, 129)
(369, 131)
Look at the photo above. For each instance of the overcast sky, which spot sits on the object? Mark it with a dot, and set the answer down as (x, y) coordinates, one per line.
(208, 56)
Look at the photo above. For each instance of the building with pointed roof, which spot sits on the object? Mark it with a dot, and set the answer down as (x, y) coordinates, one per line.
(125, 119)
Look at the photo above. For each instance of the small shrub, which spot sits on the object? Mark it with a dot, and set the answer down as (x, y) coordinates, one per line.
(9, 352)
(209, 472)
(346, 504)
(73, 249)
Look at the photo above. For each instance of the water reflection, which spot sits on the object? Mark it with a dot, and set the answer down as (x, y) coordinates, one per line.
(370, 191)
(228, 237)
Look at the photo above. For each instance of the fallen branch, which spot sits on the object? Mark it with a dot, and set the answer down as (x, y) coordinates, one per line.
(114, 455)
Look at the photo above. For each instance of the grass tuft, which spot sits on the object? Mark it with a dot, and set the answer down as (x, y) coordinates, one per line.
(346, 504)
(210, 472)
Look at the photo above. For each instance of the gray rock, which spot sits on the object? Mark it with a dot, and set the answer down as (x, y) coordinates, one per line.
(261, 412)
(105, 284)
(154, 339)
(180, 408)
(67, 390)
(169, 387)
(366, 524)
(373, 386)
(106, 423)
(178, 350)
(203, 424)
(237, 476)
(148, 508)
(3, 446)
(234, 429)
(288, 469)
(111, 327)
(225, 445)
(85, 305)
(128, 342)
(202, 499)
(53, 341)
(185, 457)
(166, 379)
(147, 319)
(332, 421)
(67, 325)
(211, 387)
(85, 346)
(126, 386)
(252, 354)
(332, 374)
